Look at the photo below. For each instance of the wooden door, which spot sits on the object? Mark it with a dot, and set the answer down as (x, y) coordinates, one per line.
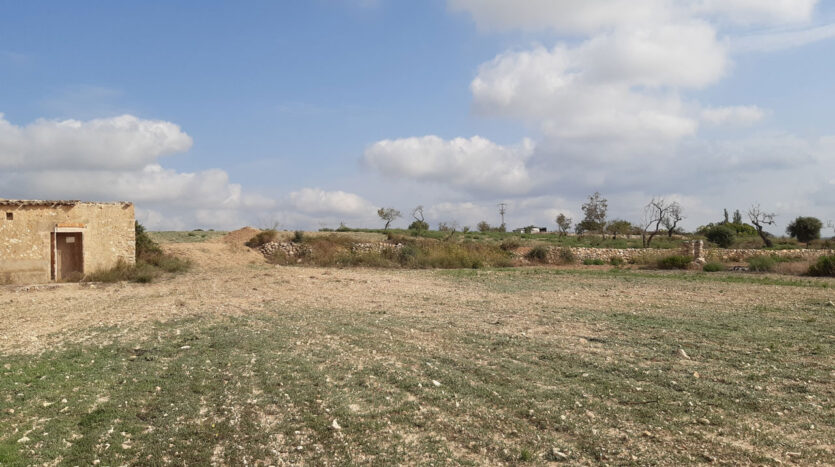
(70, 257)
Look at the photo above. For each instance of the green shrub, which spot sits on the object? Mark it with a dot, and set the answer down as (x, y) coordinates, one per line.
(144, 243)
(593, 262)
(721, 235)
(761, 264)
(617, 261)
(824, 267)
(262, 238)
(713, 267)
(674, 262)
(419, 226)
(298, 237)
(538, 253)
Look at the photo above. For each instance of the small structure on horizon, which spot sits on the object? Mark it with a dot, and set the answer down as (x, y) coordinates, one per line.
(42, 241)
(531, 229)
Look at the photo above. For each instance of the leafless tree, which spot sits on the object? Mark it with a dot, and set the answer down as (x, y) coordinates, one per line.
(417, 213)
(655, 214)
(760, 218)
(674, 216)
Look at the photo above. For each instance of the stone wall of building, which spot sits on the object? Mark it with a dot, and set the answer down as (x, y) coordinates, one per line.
(107, 230)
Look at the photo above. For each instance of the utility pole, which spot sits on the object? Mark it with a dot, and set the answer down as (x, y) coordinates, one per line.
(502, 210)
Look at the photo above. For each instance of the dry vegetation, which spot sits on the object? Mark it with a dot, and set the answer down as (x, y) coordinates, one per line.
(240, 361)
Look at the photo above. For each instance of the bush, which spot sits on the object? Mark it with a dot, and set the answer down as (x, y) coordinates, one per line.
(298, 237)
(824, 267)
(144, 243)
(566, 256)
(713, 267)
(510, 244)
(674, 262)
(262, 238)
(420, 226)
(617, 261)
(761, 264)
(538, 253)
(593, 262)
(721, 235)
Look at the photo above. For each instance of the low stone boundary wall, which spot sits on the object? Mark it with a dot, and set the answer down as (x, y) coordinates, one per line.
(694, 249)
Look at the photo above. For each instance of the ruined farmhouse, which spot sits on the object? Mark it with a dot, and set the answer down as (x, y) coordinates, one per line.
(42, 241)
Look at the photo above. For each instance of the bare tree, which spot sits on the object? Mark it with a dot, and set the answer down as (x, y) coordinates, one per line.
(388, 215)
(655, 213)
(563, 223)
(417, 213)
(673, 218)
(419, 223)
(759, 219)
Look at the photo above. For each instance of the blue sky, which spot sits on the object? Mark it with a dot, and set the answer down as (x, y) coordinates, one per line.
(220, 114)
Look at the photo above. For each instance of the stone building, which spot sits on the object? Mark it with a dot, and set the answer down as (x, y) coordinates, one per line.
(42, 241)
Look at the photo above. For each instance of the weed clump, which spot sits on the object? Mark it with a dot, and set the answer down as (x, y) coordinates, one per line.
(713, 266)
(262, 238)
(674, 262)
(617, 261)
(761, 264)
(538, 254)
(824, 267)
(566, 256)
(510, 244)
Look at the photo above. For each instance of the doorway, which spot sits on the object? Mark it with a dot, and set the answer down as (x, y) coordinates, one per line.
(69, 255)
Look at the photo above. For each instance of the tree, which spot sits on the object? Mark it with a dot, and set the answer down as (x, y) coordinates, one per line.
(656, 212)
(737, 217)
(760, 218)
(595, 213)
(619, 227)
(483, 226)
(419, 223)
(563, 224)
(726, 221)
(721, 235)
(673, 218)
(388, 215)
(805, 229)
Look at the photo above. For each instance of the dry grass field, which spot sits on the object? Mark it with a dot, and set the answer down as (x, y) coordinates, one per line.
(244, 363)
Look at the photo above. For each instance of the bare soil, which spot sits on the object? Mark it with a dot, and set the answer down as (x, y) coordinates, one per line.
(530, 364)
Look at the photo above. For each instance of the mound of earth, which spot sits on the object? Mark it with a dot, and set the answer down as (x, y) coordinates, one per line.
(239, 237)
(221, 252)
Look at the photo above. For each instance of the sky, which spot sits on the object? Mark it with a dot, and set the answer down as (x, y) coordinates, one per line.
(311, 114)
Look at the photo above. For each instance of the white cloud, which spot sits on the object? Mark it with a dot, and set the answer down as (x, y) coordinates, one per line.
(757, 11)
(318, 201)
(473, 164)
(734, 115)
(781, 40)
(591, 16)
(572, 16)
(124, 142)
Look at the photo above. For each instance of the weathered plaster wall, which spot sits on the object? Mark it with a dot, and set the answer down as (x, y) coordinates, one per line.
(25, 251)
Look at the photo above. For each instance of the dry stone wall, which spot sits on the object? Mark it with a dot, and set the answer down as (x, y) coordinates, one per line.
(695, 249)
